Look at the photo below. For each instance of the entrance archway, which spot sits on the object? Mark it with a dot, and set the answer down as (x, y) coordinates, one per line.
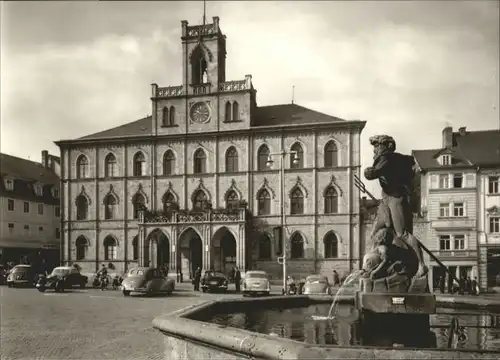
(159, 249)
(223, 251)
(190, 253)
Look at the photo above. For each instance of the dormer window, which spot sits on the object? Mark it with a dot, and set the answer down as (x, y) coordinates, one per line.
(446, 160)
(9, 184)
(55, 192)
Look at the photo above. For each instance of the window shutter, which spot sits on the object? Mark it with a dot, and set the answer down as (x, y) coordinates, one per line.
(470, 180)
(434, 181)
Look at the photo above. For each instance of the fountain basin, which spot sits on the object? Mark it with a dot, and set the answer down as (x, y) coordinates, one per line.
(186, 336)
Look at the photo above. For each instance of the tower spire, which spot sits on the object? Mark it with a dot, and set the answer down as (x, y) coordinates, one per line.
(204, 12)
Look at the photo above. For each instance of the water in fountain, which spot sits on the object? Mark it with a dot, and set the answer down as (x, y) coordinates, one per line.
(352, 278)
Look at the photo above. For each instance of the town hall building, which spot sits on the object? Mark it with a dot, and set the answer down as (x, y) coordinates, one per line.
(197, 183)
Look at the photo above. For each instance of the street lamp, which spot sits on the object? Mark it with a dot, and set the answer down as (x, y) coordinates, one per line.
(282, 154)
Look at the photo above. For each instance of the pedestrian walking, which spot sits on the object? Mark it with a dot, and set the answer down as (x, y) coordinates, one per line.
(237, 279)
(475, 286)
(336, 278)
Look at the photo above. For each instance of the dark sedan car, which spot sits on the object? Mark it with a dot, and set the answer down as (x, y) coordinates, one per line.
(214, 281)
(61, 278)
(147, 281)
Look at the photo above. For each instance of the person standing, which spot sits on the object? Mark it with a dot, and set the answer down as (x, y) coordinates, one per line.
(197, 279)
(237, 279)
(474, 287)
(336, 278)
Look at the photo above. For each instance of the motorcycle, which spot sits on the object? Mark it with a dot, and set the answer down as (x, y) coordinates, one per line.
(117, 281)
(291, 288)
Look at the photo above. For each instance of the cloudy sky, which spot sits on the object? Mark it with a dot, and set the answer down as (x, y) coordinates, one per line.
(409, 68)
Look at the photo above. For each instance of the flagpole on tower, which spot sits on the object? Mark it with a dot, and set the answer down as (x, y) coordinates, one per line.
(204, 12)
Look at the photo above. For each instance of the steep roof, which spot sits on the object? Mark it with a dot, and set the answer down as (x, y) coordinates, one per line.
(273, 115)
(25, 174)
(474, 148)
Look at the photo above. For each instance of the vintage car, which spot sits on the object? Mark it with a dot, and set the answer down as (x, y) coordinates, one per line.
(147, 281)
(256, 282)
(62, 278)
(21, 275)
(316, 285)
(214, 281)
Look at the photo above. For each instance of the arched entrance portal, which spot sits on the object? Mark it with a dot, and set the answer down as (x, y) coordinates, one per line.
(190, 254)
(159, 249)
(223, 254)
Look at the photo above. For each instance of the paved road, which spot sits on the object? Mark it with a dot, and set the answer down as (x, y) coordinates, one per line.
(86, 324)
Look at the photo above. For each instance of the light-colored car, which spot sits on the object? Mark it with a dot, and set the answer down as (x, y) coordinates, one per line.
(256, 282)
(21, 275)
(147, 281)
(316, 285)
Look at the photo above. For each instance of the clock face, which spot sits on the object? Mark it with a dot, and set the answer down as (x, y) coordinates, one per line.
(200, 112)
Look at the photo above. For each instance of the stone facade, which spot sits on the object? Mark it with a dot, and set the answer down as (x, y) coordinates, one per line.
(201, 126)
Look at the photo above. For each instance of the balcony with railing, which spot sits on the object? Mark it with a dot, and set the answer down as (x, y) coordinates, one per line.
(169, 91)
(461, 223)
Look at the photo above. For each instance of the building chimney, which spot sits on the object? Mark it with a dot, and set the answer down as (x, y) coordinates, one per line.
(45, 158)
(448, 137)
(462, 131)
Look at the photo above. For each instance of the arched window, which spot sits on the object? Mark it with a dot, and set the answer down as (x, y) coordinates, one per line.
(109, 207)
(297, 201)
(264, 202)
(81, 246)
(169, 163)
(236, 111)
(298, 157)
(200, 162)
(331, 201)
(331, 244)
(135, 248)
(297, 246)
(110, 166)
(82, 207)
(232, 200)
(331, 154)
(110, 246)
(227, 114)
(164, 119)
(199, 200)
(262, 157)
(198, 66)
(82, 167)
(138, 202)
(264, 247)
(171, 116)
(168, 201)
(231, 160)
(139, 164)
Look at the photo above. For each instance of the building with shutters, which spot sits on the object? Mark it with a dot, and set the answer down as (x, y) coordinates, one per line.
(30, 219)
(460, 198)
(190, 185)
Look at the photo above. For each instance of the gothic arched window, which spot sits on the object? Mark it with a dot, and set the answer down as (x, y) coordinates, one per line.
(331, 154)
(232, 200)
(297, 201)
(331, 244)
(110, 246)
(135, 248)
(231, 159)
(198, 66)
(262, 157)
(139, 164)
(236, 111)
(298, 157)
(200, 200)
(297, 246)
(331, 201)
(82, 207)
(227, 113)
(109, 207)
(164, 119)
(264, 202)
(81, 246)
(110, 166)
(200, 162)
(264, 247)
(169, 163)
(138, 202)
(171, 116)
(168, 201)
(82, 167)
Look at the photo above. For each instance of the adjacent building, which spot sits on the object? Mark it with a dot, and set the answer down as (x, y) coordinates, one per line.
(192, 184)
(30, 222)
(460, 199)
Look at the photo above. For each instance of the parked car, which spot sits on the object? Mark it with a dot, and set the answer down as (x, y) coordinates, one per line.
(21, 275)
(147, 281)
(317, 285)
(62, 278)
(214, 281)
(256, 282)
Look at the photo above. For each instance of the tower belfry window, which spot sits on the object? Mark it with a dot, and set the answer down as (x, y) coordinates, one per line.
(198, 67)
